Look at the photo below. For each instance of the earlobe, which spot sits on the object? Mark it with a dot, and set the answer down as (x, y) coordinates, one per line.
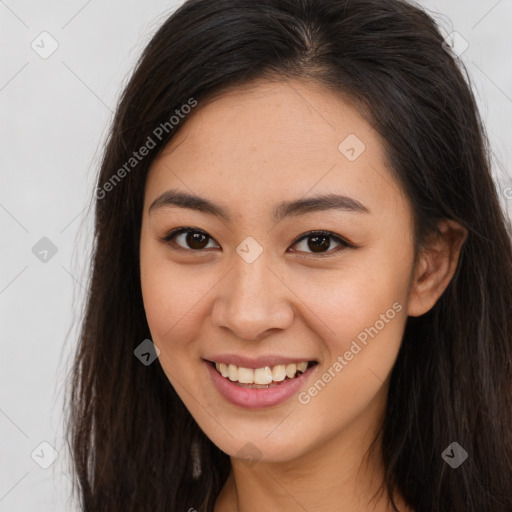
(436, 267)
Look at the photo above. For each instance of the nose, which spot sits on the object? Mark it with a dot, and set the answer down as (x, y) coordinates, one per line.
(253, 300)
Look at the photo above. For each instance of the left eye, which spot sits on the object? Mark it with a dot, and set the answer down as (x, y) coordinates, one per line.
(319, 242)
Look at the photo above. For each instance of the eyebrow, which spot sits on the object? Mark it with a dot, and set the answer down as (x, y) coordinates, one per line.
(175, 198)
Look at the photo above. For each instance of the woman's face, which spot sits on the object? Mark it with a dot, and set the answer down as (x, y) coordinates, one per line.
(250, 284)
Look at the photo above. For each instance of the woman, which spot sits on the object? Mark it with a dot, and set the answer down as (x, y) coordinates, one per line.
(302, 278)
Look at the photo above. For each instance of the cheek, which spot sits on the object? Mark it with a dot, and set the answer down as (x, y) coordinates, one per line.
(354, 298)
(365, 313)
(177, 301)
(166, 295)
(171, 299)
(170, 303)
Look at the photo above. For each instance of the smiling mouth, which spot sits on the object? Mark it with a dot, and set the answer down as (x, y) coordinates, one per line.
(262, 378)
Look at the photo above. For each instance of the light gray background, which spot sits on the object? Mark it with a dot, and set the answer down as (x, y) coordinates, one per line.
(55, 113)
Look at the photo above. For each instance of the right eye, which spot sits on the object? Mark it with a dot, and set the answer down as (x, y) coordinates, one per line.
(196, 239)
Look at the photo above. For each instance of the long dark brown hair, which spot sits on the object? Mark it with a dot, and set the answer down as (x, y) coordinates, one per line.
(130, 436)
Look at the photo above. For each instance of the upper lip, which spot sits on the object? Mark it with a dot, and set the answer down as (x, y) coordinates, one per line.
(256, 362)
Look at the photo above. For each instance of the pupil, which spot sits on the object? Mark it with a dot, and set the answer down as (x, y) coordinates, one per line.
(316, 245)
(194, 240)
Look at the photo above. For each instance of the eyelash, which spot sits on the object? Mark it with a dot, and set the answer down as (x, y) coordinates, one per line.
(344, 244)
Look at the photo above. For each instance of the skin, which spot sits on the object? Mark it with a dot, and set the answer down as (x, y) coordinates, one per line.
(248, 150)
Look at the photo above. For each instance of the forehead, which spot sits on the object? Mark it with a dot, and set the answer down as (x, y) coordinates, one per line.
(270, 141)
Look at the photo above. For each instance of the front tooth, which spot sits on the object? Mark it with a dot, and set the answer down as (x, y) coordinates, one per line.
(263, 375)
(301, 367)
(223, 368)
(291, 370)
(233, 372)
(246, 375)
(279, 373)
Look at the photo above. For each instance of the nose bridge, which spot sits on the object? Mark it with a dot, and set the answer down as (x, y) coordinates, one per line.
(253, 300)
(252, 279)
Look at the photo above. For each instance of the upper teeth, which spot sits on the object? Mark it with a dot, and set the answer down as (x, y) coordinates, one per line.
(260, 375)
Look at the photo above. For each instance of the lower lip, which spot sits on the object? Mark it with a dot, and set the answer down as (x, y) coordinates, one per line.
(253, 398)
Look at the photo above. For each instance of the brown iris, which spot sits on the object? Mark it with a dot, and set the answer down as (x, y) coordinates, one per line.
(196, 240)
(319, 243)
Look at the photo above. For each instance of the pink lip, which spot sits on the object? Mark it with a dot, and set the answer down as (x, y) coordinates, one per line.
(257, 398)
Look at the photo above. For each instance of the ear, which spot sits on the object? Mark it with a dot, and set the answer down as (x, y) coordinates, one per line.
(436, 266)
